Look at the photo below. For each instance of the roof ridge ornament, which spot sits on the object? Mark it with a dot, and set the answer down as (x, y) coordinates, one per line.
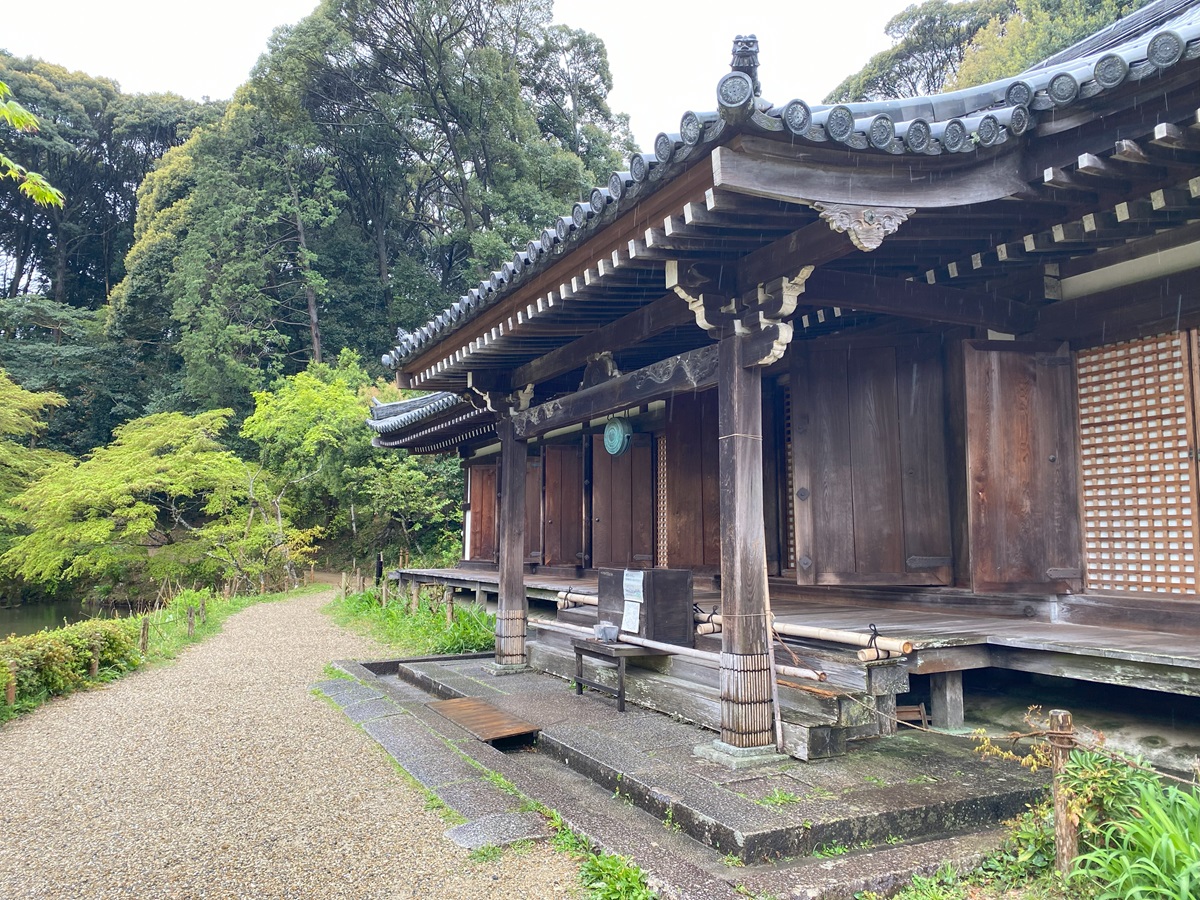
(867, 226)
(745, 59)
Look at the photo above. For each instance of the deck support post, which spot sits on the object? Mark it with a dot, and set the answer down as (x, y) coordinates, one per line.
(946, 696)
(513, 612)
(747, 714)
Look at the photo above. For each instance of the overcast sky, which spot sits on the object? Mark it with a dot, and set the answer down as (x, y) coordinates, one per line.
(666, 56)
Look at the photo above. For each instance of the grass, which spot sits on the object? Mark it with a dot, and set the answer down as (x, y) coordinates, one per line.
(780, 797)
(420, 633)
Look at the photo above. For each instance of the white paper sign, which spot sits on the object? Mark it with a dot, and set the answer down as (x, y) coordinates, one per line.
(633, 585)
(631, 620)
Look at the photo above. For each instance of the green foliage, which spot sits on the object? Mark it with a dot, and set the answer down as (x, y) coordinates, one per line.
(1008, 45)
(422, 632)
(928, 43)
(165, 500)
(610, 876)
(780, 797)
(52, 663)
(1145, 839)
(30, 184)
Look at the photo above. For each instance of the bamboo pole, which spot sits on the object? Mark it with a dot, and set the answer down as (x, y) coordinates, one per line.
(833, 635)
(676, 649)
(1066, 833)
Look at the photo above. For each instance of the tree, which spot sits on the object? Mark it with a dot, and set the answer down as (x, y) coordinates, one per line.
(928, 43)
(164, 500)
(22, 416)
(1039, 29)
(31, 184)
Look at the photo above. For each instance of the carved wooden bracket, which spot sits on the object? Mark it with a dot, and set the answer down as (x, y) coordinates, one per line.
(867, 226)
(498, 401)
(757, 315)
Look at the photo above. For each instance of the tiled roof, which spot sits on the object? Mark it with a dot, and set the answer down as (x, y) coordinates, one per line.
(388, 417)
(1144, 44)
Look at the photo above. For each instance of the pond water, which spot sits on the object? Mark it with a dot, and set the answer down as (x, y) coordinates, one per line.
(29, 618)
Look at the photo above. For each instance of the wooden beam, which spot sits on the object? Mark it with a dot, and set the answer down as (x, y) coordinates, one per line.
(917, 300)
(692, 371)
(663, 314)
(813, 245)
(762, 168)
(1102, 312)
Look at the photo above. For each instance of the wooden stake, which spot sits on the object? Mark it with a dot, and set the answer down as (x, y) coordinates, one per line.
(191, 622)
(145, 642)
(448, 602)
(1066, 831)
(416, 597)
(10, 693)
(312, 573)
(383, 592)
(94, 669)
(343, 584)
(203, 610)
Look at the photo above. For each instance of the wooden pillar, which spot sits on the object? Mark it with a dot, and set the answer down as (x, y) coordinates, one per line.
(946, 699)
(746, 683)
(511, 616)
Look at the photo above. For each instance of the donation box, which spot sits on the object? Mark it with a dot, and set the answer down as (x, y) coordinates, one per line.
(655, 604)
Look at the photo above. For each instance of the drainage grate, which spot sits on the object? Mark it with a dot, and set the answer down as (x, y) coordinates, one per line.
(482, 719)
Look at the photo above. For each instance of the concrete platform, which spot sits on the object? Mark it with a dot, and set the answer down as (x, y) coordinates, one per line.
(633, 783)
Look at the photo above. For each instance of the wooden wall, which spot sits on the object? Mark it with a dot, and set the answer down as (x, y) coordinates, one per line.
(692, 490)
(869, 467)
(533, 506)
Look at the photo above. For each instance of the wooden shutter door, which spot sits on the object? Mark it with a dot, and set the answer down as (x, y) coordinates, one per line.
(623, 505)
(1137, 434)
(564, 504)
(1022, 468)
(693, 488)
(483, 513)
(870, 496)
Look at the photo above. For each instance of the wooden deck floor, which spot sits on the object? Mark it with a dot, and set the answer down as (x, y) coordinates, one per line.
(949, 640)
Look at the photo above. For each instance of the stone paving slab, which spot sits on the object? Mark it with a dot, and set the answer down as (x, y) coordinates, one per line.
(499, 830)
(474, 798)
(365, 710)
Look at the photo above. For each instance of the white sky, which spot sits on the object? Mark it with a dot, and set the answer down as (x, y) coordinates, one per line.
(666, 56)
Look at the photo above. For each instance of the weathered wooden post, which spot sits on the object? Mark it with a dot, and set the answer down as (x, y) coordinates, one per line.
(415, 606)
(191, 620)
(144, 644)
(513, 611)
(746, 314)
(343, 591)
(383, 593)
(203, 610)
(312, 573)
(448, 602)
(1066, 832)
(94, 668)
(10, 692)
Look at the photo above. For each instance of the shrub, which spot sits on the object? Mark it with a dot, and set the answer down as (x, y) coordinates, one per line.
(1151, 850)
(52, 663)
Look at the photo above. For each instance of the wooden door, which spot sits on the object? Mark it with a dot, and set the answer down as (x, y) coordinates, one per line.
(482, 513)
(533, 506)
(564, 505)
(1022, 467)
(623, 505)
(1137, 427)
(693, 521)
(870, 494)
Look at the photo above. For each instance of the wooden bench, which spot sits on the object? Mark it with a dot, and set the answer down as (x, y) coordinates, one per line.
(610, 651)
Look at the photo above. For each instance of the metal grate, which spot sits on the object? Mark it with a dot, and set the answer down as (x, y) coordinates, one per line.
(1139, 482)
(660, 555)
(790, 494)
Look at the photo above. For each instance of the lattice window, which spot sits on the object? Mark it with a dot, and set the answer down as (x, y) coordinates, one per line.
(789, 523)
(660, 554)
(1139, 484)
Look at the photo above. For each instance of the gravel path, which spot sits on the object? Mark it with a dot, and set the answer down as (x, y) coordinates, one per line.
(222, 776)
